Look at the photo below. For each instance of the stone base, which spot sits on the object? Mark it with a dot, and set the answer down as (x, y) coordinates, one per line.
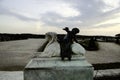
(55, 69)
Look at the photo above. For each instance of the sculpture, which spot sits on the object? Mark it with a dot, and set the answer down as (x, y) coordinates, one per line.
(53, 47)
(52, 68)
(69, 44)
(67, 47)
(77, 49)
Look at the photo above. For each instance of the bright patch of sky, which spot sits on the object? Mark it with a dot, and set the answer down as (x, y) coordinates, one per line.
(40, 16)
(111, 4)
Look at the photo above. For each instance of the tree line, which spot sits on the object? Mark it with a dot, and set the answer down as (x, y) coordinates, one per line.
(9, 37)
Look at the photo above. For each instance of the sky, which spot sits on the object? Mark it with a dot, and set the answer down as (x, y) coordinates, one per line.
(92, 17)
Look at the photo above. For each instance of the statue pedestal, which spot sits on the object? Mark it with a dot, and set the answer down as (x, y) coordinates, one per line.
(55, 69)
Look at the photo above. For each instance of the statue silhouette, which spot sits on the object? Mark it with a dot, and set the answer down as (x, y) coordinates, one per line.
(67, 42)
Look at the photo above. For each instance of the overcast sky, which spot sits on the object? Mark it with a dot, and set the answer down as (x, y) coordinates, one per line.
(92, 17)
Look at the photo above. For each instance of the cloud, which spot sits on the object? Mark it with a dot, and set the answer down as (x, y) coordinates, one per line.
(17, 15)
(111, 4)
(108, 18)
(87, 8)
(91, 13)
(59, 7)
(66, 10)
(54, 19)
(61, 13)
(72, 13)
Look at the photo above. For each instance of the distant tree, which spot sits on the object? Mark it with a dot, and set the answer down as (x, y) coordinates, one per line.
(117, 35)
(117, 38)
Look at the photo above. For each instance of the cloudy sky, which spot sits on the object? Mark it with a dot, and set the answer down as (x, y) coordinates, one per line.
(92, 17)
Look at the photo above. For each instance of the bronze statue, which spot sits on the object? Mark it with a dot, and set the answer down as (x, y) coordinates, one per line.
(68, 40)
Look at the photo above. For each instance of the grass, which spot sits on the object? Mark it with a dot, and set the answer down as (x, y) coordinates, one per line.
(12, 68)
(103, 66)
(90, 45)
(112, 77)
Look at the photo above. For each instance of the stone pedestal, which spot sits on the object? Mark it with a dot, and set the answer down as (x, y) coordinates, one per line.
(55, 69)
